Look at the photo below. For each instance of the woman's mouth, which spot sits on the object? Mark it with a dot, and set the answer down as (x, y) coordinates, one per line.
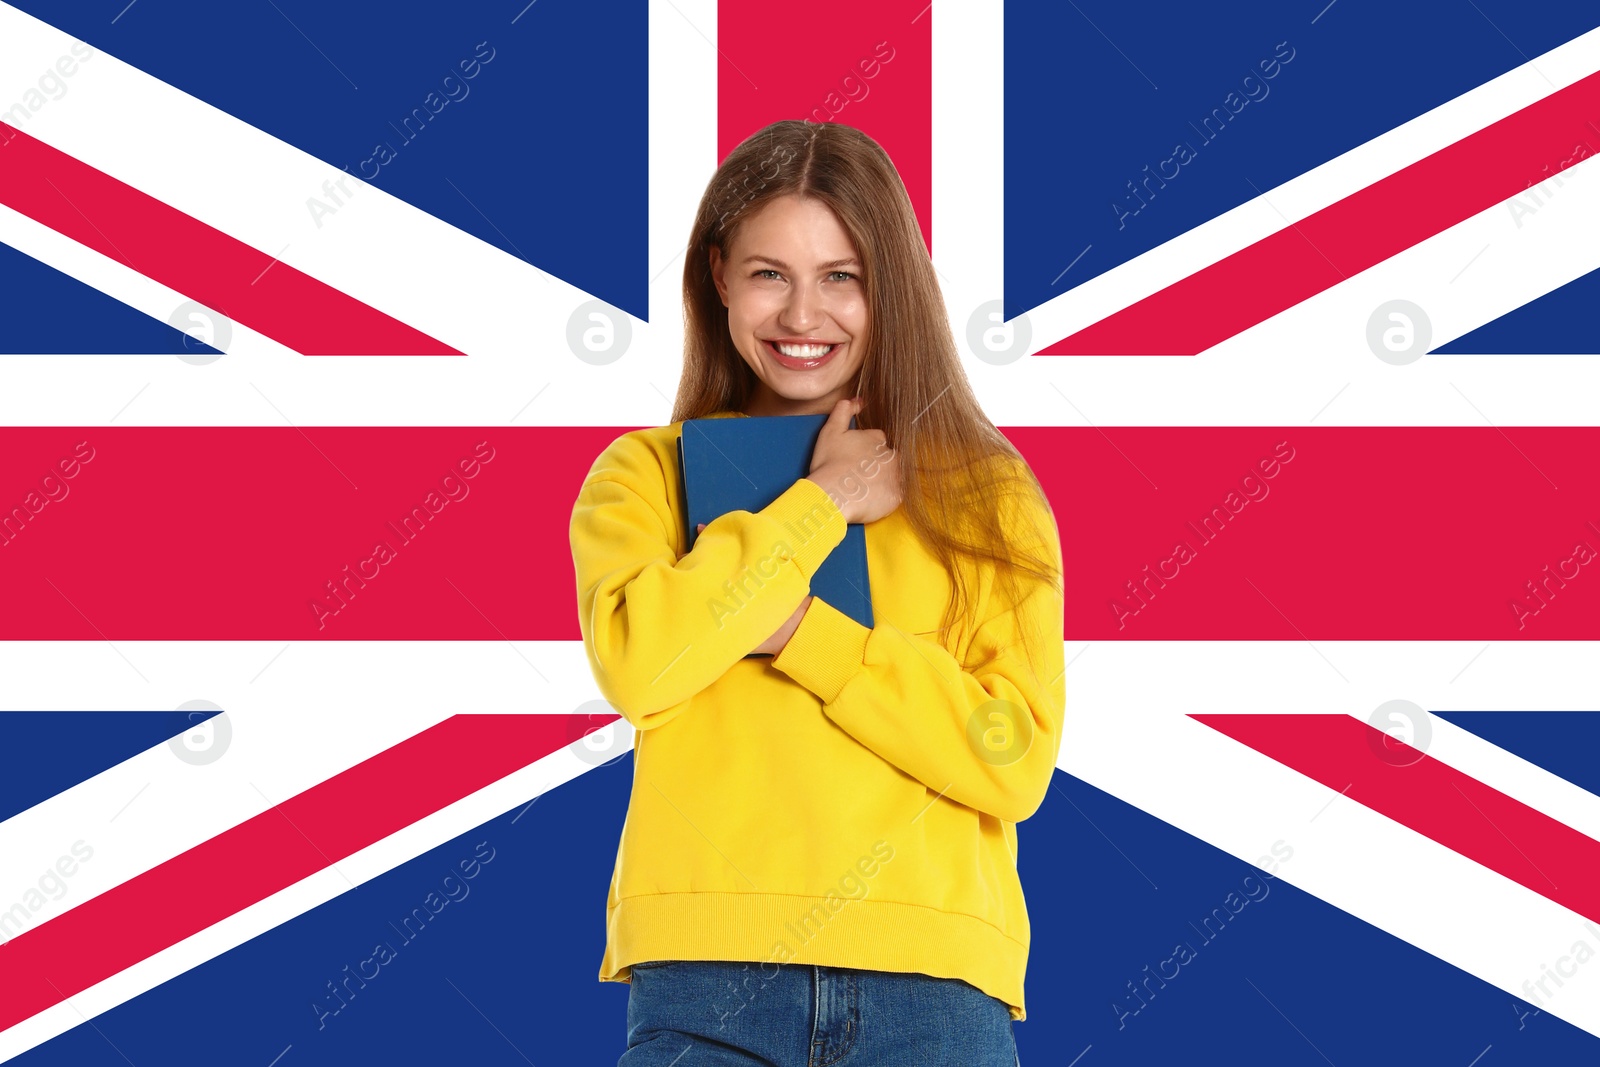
(801, 357)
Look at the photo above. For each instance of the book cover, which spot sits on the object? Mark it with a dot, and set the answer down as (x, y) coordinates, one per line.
(744, 464)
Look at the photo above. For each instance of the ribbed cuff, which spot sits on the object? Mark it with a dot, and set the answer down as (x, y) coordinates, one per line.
(827, 649)
(812, 524)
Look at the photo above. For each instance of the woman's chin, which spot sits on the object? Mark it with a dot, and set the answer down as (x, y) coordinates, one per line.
(794, 401)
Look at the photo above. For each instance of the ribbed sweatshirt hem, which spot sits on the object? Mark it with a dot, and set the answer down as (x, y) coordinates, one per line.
(771, 929)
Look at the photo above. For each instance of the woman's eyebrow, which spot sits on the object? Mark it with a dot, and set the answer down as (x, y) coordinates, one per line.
(781, 265)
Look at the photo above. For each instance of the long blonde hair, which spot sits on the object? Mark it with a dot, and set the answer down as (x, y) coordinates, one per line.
(958, 472)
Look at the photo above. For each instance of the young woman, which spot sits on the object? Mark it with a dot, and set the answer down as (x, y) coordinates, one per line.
(818, 865)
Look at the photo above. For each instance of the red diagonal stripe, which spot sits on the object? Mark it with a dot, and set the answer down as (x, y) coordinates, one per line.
(1347, 237)
(263, 855)
(203, 263)
(1432, 798)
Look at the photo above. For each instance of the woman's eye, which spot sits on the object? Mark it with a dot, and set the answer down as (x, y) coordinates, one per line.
(842, 275)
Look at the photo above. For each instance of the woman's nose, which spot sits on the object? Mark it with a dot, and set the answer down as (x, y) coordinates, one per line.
(802, 312)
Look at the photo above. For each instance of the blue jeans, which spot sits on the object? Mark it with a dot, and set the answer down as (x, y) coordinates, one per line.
(694, 1013)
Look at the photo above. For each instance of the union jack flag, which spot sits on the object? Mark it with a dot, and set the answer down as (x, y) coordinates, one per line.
(1289, 308)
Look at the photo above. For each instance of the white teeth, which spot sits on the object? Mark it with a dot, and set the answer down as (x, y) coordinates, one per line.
(803, 351)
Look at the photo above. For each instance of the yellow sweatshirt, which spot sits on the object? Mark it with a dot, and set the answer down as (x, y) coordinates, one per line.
(850, 802)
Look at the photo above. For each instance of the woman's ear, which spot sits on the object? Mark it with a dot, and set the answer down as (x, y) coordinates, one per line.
(716, 274)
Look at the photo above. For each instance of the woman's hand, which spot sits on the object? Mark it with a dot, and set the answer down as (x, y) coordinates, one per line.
(774, 644)
(857, 467)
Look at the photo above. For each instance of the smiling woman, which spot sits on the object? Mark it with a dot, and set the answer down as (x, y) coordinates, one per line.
(800, 328)
(903, 753)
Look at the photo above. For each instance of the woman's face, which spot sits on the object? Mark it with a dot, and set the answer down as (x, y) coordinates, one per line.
(797, 309)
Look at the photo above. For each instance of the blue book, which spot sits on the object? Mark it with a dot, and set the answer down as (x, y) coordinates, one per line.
(744, 464)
